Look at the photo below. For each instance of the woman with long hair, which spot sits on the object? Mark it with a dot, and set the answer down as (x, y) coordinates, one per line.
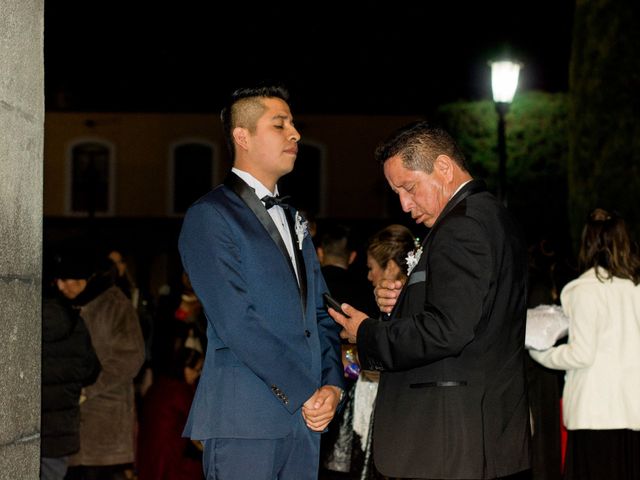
(601, 398)
(387, 252)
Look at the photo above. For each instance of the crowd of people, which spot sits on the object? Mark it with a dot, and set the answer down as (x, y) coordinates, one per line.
(105, 401)
(422, 373)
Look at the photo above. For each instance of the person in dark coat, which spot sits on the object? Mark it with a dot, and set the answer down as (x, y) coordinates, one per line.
(86, 277)
(69, 363)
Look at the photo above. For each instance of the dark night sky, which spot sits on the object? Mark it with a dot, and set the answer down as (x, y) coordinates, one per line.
(186, 57)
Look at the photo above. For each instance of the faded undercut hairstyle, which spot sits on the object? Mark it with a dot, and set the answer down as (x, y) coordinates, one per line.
(419, 144)
(606, 245)
(244, 107)
(392, 243)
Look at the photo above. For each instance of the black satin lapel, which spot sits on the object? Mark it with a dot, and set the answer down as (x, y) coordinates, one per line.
(302, 271)
(474, 186)
(248, 196)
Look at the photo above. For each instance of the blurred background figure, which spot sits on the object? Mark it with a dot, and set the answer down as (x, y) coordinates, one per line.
(69, 362)
(124, 278)
(190, 330)
(336, 254)
(545, 384)
(387, 252)
(163, 454)
(601, 407)
(107, 408)
(179, 322)
(126, 281)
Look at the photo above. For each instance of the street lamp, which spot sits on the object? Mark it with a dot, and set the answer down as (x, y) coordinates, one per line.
(504, 81)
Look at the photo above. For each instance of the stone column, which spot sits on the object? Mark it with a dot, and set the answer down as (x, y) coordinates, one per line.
(21, 141)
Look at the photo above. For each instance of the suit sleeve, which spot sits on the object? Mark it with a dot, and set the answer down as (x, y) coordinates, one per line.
(213, 260)
(329, 333)
(459, 268)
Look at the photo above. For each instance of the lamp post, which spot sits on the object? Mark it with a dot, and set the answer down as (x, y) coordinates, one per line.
(504, 81)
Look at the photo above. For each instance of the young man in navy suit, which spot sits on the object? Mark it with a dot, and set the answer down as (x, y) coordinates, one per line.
(452, 400)
(272, 377)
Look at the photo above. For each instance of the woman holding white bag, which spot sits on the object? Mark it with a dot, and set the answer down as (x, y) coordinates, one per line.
(601, 399)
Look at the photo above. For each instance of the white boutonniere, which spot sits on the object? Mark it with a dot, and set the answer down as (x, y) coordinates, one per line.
(301, 227)
(413, 257)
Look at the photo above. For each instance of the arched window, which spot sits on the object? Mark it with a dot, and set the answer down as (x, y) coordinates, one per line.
(192, 173)
(306, 183)
(90, 178)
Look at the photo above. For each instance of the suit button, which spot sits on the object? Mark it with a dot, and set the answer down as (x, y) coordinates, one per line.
(307, 333)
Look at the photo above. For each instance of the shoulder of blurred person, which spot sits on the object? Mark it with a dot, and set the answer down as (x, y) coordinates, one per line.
(69, 362)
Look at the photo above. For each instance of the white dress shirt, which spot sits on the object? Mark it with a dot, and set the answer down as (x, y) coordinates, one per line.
(276, 212)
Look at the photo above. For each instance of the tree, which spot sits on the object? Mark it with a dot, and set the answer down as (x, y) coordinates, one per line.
(537, 149)
(604, 134)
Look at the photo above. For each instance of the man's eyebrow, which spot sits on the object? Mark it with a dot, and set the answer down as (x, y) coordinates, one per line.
(281, 116)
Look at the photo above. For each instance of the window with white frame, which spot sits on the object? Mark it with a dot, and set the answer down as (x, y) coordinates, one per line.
(90, 178)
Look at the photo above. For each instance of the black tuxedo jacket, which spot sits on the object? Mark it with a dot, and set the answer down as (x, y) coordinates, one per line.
(452, 400)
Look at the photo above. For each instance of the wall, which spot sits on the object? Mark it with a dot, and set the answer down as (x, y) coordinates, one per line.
(21, 124)
(355, 187)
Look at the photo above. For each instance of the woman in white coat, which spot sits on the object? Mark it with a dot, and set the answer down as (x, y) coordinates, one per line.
(601, 399)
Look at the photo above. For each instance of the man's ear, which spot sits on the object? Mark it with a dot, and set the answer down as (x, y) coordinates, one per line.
(352, 257)
(241, 137)
(320, 253)
(443, 164)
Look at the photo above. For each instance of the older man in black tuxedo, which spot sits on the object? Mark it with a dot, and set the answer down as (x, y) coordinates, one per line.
(452, 400)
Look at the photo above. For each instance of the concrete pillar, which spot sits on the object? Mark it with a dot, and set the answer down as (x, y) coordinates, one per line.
(21, 141)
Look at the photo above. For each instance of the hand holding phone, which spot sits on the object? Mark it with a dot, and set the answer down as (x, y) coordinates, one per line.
(329, 301)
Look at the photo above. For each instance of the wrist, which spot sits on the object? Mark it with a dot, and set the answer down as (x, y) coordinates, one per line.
(340, 392)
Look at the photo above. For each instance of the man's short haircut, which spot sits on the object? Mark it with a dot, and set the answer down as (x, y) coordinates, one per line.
(336, 241)
(419, 144)
(244, 107)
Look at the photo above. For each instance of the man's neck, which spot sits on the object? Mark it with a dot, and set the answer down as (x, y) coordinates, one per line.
(462, 178)
(244, 173)
(269, 181)
(335, 262)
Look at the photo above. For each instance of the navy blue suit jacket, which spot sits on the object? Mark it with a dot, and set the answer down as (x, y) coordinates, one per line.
(271, 343)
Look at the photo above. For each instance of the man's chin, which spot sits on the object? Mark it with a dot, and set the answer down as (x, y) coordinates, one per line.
(426, 221)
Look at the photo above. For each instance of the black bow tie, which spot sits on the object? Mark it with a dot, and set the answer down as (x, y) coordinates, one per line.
(270, 201)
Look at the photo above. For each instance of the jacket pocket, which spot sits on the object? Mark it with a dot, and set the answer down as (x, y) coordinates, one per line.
(462, 383)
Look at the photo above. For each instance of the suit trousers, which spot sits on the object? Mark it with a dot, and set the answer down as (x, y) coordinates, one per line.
(294, 457)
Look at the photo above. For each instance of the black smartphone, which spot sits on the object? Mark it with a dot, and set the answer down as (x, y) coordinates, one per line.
(329, 301)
